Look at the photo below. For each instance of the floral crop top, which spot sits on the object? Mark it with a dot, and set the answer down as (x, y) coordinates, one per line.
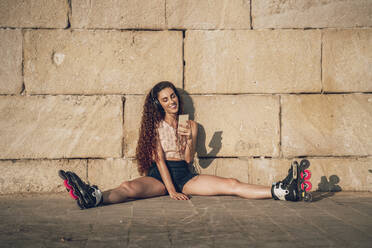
(173, 144)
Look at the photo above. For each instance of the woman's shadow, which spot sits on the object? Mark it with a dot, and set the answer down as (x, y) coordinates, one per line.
(216, 141)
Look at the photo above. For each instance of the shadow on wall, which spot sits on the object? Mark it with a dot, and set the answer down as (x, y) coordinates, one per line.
(216, 141)
(326, 188)
(215, 144)
(330, 185)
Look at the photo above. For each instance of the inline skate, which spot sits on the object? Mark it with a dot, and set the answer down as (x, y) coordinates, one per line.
(85, 195)
(296, 185)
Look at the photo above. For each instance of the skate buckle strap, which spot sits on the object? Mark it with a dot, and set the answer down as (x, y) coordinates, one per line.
(295, 168)
(98, 195)
(280, 192)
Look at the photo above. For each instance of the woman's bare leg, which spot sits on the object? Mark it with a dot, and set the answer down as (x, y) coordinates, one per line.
(142, 187)
(214, 185)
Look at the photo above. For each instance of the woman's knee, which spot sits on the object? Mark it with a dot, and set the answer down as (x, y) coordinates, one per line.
(134, 189)
(127, 188)
(233, 184)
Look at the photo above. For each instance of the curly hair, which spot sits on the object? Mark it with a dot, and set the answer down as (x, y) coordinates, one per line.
(153, 113)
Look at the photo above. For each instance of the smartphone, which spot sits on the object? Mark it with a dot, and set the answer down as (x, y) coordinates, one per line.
(182, 119)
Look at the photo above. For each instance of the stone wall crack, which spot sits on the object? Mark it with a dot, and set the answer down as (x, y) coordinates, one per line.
(23, 90)
(321, 63)
(69, 14)
(250, 14)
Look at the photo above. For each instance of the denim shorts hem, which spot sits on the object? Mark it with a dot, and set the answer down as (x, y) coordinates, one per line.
(178, 170)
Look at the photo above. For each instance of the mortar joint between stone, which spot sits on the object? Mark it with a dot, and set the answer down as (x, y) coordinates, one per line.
(165, 14)
(250, 14)
(321, 63)
(280, 127)
(183, 59)
(123, 122)
(69, 14)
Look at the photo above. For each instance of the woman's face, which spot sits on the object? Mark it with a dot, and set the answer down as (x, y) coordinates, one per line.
(168, 100)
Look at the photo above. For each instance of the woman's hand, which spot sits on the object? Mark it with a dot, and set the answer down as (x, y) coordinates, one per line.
(178, 196)
(185, 130)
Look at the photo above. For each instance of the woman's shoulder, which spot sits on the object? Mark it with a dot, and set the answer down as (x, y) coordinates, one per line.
(193, 123)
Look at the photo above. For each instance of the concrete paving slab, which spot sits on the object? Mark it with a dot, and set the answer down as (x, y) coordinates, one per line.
(342, 219)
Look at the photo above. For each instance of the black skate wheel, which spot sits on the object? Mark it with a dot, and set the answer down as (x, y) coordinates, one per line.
(305, 163)
(80, 204)
(62, 174)
(308, 197)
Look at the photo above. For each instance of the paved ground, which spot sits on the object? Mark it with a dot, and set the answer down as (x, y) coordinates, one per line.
(340, 220)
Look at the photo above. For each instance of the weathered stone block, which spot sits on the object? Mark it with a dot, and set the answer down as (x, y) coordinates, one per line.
(267, 171)
(207, 166)
(347, 60)
(223, 167)
(327, 174)
(10, 61)
(216, 14)
(118, 14)
(60, 126)
(100, 62)
(233, 168)
(266, 61)
(315, 14)
(28, 14)
(37, 175)
(236, 125)
(342, 174)
(326, 125)
(110, 173)
(133, 110)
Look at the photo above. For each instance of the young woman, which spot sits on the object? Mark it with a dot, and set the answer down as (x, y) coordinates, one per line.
(163, 153)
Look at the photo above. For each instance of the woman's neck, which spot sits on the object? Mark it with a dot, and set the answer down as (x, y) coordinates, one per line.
(171, 119)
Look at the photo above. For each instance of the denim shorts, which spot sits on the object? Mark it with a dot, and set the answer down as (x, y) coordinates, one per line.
(178, 170)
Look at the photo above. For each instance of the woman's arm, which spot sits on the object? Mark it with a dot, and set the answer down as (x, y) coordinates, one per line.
(165, 175)
(191, 132)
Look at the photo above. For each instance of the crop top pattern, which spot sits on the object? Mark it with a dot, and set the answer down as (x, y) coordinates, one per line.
(173, 145)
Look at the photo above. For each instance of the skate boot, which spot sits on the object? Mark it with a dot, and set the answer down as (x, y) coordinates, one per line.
(294, 187)
(85, 195)
(285, 192)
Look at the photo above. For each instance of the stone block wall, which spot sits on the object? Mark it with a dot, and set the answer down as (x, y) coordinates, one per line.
(268, 81)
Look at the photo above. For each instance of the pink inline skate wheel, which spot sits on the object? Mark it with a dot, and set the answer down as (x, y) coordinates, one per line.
(68, 186)
(306, 175)
(72, 194)
(309, 186)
